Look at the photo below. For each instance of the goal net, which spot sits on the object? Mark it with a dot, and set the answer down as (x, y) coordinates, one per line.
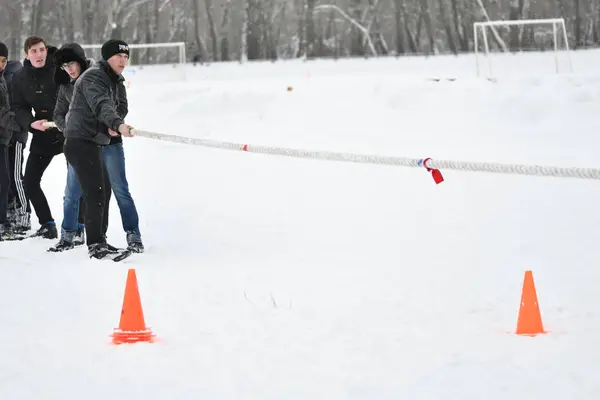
(540, 45)
(141, 54)
(170, 54)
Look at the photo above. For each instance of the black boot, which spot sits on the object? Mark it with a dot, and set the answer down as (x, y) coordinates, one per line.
(62, 245)
(103, 251)
(134, 243)
(47, 231)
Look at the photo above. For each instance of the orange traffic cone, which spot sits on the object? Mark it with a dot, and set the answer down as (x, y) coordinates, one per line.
(530, 319)
(132, 327)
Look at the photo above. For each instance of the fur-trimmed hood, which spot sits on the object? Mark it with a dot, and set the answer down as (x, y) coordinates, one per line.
(67, 53)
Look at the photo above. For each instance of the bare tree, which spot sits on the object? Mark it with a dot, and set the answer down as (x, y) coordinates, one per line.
(495, 34)
(212, 29)
(354, 23)
(271, 29)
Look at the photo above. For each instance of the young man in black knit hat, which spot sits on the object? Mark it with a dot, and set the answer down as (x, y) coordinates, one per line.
(8, 126)
(93, 120)
(116, 51)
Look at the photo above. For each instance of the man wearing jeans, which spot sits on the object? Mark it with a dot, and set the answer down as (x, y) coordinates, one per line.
(70, 63)
(114, 160)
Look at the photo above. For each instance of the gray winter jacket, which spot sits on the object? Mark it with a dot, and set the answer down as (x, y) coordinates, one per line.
(63, 100)
(93, 107)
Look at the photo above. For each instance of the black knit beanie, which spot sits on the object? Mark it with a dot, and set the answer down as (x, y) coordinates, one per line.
(3, 50)
(112, 47)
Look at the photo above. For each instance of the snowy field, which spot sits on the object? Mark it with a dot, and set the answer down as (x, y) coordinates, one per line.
(269, 277)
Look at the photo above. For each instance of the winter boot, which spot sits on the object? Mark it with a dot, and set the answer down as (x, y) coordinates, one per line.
(111, 248)
(103, 251)
(134, 242)
(11, 212)
(62, 245)
(79, 237)
(22, 222)
(7, 232)
(47, 231)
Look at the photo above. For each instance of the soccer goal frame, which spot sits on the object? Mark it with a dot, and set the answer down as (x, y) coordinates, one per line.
(181, 45)
(556, 24)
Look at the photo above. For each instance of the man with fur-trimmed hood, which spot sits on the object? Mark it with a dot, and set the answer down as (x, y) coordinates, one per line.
(70, 63)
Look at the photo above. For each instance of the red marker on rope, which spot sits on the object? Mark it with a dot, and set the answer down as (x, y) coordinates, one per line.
(435, 173)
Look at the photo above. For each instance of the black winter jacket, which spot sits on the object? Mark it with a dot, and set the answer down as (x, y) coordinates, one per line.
(96, 105)
(11, 69)
(34, 88)
(8, 124)
(122, 108)
(18, 134)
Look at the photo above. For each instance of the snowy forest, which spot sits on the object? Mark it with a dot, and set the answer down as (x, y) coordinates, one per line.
(224, 30)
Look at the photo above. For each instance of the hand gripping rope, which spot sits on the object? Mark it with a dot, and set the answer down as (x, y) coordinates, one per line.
(52, 124)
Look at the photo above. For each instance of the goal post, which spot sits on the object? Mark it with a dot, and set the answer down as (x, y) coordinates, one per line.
(559, 33)
(179, 48)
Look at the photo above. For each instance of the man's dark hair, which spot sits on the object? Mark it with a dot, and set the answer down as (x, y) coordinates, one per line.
(32, 41)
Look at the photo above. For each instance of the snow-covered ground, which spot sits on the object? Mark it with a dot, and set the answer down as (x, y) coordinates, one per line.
(270, 277)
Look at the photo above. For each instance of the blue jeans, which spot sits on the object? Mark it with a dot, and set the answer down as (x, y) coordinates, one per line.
(71, 205)
(114, 159)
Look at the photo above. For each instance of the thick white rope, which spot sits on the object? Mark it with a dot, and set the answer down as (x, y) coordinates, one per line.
(532, 170)
(429, 164)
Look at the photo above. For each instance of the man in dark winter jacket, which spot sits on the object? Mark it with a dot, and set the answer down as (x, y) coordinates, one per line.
(33, 87)
(91, 122)
(8, 126)
(19, 209)
(70, 63)
(114, 160)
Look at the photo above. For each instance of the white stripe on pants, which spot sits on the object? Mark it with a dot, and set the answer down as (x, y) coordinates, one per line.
(22, 215)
